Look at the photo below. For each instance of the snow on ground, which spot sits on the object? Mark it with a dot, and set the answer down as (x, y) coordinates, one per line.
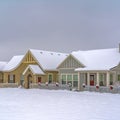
(36, 104)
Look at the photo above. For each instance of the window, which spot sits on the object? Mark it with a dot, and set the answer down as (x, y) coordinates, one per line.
(118, 77)
(75, 80)
(69, 79)
(21, 79)
(101, 77)
(50, 78)
(111, 79)
(63, 79)
(11, 78)
(1, 78)
(75, 77)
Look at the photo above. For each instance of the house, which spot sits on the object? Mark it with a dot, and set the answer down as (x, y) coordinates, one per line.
(33, 67)
(94, 67)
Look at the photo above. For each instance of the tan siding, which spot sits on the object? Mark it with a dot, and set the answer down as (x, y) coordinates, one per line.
(19, 70)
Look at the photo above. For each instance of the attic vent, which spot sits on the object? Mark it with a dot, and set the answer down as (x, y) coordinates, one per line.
(66, 55)
(51, 53)
(41, 52)
(59, 54)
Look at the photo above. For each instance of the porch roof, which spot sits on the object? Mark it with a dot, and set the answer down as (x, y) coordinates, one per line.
(92, 69)
(36, 70)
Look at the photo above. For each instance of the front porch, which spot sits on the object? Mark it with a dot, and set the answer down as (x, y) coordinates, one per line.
(92, 78)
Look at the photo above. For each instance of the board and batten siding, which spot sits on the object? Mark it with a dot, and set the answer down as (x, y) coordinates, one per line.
(70, 62)
(67, 69)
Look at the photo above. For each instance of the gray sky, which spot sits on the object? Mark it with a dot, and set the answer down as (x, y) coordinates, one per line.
(58, 25)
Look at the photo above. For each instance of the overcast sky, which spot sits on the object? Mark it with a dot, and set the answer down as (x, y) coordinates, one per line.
(58, 25)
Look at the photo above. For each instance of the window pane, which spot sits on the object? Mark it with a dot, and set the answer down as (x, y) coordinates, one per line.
(11, 77)
(118, 77)
(63, 79)
(75, 77)
(101, 76)
(75, 83)
(69, 77)
(111, 79)
(50, 78)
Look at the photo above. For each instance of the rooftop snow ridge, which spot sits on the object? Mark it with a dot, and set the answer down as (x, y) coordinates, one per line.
(48, 52)
(105, 49)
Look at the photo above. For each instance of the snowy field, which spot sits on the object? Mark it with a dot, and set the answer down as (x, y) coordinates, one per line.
(35, 104)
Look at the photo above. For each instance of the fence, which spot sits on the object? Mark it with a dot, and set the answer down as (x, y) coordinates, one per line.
(50, 86)
(103, 89)
(10, 85)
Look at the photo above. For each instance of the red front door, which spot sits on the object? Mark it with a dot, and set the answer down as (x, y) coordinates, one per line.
(39, 79)
(92, 77)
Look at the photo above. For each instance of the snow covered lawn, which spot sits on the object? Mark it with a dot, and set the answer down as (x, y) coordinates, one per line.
(35, 104)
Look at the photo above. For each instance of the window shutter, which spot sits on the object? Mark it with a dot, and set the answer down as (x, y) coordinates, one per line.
(13, 78)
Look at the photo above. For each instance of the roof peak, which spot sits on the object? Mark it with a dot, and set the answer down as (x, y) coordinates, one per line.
(43, 51)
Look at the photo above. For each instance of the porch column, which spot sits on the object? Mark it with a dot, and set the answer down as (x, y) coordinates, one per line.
(35, 79)
(78, 80)
(88, 79)
(107, 79)
(97, 77)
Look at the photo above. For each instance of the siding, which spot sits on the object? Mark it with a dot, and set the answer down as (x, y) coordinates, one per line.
(70, 62)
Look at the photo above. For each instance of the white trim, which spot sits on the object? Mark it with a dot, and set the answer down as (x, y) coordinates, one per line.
(97, 79)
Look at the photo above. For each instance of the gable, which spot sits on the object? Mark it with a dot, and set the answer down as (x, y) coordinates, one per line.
(35, 69)
(116, 68)
(70, 62)
(47, 59)
(29, 58)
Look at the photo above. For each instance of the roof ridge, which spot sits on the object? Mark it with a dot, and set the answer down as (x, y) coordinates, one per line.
(48, 51)
(94, 50)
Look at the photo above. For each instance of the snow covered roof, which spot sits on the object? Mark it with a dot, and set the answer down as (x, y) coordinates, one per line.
(13, 63)
(48, 60)
(102, 59)
(2, 65)
(35, 70)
